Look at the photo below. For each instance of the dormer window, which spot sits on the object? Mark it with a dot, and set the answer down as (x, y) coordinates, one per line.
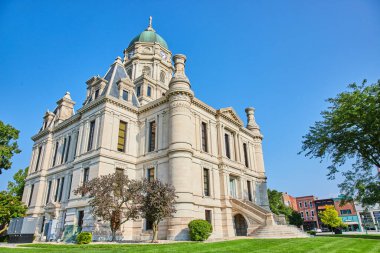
(149, 91)
(96, 93)
(138, 91)
(125, 95)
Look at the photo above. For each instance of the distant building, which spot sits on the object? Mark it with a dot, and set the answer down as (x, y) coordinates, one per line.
(289, 201)
(307, 209)
(368, 218)
(347, 213)
(320, 206)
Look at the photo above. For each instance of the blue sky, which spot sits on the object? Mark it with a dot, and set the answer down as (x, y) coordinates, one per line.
(282, 57)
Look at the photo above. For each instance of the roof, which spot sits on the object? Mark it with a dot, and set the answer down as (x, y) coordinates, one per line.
(149, 35)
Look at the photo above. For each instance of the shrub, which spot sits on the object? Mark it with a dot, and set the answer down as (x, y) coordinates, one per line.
(84, 238)
(312, 232)
(4, 238)
(200, 230)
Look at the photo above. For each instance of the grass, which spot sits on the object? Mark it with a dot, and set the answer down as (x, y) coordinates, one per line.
(309, 245)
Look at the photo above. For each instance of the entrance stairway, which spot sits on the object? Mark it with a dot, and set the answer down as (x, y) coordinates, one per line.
(262, 223)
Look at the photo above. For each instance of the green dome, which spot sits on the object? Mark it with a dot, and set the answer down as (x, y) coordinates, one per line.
(149, 35)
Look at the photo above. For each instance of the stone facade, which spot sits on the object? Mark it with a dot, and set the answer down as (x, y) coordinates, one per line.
(142, 117)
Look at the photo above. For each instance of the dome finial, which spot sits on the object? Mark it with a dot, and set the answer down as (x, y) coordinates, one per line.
(150, 28)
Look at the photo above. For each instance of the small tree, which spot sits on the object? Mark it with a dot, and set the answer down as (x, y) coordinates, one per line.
(16, 188)
(157, 203)
(330, 218)
(295, 219)
(114, 198)
(10, 207)
(8, 145)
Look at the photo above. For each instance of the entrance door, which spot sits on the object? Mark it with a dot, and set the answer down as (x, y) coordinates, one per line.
(240, 225)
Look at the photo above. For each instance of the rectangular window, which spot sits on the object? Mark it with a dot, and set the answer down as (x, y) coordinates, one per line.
(122, 136)
(204, 137)
(38, 158)
(48, 193)
(245, 155)
(148, 225)
(249, 188)
(57, 190)
(149, 91)
(346, 211)
(125, 95)
(302, 214)
(55, 153)
(307, 214)
(63, 150)
(312, 213)
(208, 216)
(42, 225)
(61, 190)
(80, 219)
(91, 135)
(76, 144)
(305, 204)
(69, 188)
(300, 204)
(311, 204)
(86, 174)
(138, 91)
(96, 93)
(150, 175)
(152, 136)
(31, 195)
(120, 171)
(206, 182)
(227, 144)
(68, 149)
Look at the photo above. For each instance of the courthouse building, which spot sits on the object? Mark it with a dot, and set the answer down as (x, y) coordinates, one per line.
(143, 119)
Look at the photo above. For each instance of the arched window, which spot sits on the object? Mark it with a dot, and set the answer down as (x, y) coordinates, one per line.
(162, 76)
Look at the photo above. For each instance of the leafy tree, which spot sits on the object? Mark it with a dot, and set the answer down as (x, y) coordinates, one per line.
(350, 130)
(10, 207)
(8, 145)
(157, 203)
(330, 217)
(276, 204)
(16, 188)
(295, 219)
(114, 198)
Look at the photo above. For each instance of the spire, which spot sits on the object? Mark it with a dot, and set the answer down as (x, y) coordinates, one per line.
(150, 28)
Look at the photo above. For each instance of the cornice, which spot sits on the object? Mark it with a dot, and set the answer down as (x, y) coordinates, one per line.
(200, 104)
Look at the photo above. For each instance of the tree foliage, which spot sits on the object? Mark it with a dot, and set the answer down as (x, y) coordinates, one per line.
(330, 218)
(16, 188)
(350, 130)
(10, 207)
(199, 230)
(276, 204)
(158, 202)
(295, 219)
(8, 145)
(114, 198)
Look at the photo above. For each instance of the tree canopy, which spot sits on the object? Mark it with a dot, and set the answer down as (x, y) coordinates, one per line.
(16, 188)
(8, 145)
(330, 217)
(10, 207)
(350, 131)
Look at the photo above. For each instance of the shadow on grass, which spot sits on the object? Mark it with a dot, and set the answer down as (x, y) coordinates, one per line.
(373, 237)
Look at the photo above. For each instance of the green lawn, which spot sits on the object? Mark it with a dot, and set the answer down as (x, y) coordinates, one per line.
(310, 245)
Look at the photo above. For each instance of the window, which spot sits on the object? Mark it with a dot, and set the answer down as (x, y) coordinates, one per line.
(162, 76)
(76, 144)
(122, 136)
(120, 171)
(204, 137)
(249, 188)
(80, 219)
(42, 225)
(96, 93)
(311, 204)
(125, 95)
(305, 204)
(91, 135)
(63, 150)
(148, 225)
(206, 182)
(55, 153)
(69, 188)
(149, 91)
(68, 149)
(307, 214)
(38, 158)
(61, 190)
(227, 144)
(152, 136)
(300, 204)
(86, 173)
(245, 154)
(208, 216)
(57, 190)
(302, 214)
(345, 211)
(138, 91)
(151, 174)
(48, 193)
(31, 195)
(312, 213)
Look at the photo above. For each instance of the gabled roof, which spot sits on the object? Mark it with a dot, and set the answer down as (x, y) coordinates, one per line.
(230, 114)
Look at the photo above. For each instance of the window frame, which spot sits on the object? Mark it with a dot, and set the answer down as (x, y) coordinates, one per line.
(227, 147)
(245, 153)
(206, 182)
(152, 136)
(91, 134)
(123, 149)
(204, 137)
(31, 195)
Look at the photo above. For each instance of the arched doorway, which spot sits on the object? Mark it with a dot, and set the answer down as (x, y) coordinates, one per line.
(240, 225)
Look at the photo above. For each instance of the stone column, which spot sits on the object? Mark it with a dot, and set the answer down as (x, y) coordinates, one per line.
(180, 149)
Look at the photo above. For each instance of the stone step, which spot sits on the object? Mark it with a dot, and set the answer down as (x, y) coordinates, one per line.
(278, 231)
